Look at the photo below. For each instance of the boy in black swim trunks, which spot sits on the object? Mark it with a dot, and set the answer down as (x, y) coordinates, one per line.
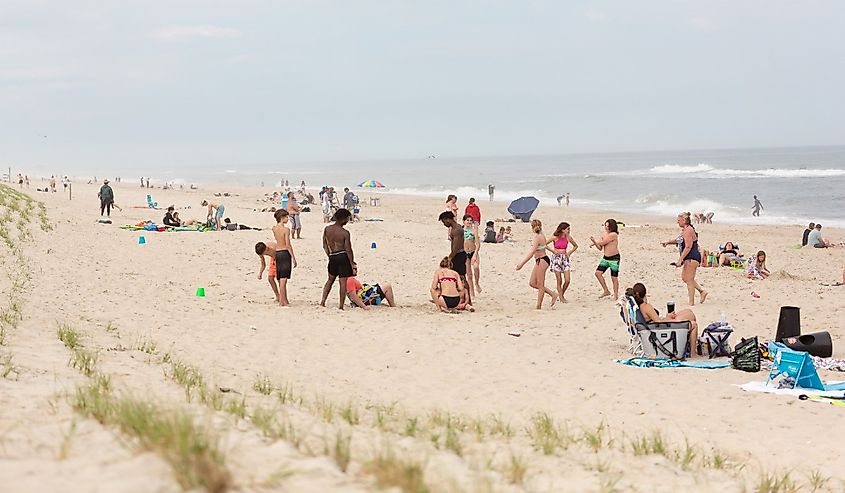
(609, 245)
(458, 255)
(285, 258)
(337, 243)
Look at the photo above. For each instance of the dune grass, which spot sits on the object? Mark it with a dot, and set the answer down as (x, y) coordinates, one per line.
(192, 451)
(390, 471)
(263, 385)
(6, 366)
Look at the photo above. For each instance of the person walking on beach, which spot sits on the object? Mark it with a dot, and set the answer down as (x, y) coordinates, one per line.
(452, 206)
(457, 255)
(561, 264)
(609, 245)
(215, 210)
(541, 265)
(337, 244)
(491, 189)
(268, 250)
(758, 206)
(285, 258)
(567, 199)
(106, 195)
(690, 258)
(294, 211)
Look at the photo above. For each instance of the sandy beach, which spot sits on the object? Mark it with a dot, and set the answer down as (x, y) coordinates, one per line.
(307, 398)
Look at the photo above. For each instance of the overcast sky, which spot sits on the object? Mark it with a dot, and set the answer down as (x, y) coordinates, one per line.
(168, 83)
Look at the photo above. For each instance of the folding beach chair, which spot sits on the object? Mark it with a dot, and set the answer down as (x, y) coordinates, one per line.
(630, 313)
(714, 337)
(796, 369)
(150, 203)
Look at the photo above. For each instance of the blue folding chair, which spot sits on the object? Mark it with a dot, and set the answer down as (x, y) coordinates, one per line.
(798, 366)
(150, 203)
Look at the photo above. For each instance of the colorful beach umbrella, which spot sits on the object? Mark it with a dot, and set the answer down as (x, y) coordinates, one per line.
(370, 184)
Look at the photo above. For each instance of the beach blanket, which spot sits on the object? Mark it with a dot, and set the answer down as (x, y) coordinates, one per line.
(760, 386)
(132, 227)
(666, 363)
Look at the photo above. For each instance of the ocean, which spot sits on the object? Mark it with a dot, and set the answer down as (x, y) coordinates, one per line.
(795, 185)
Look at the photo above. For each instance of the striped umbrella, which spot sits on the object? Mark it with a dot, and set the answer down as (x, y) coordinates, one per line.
(370, 184)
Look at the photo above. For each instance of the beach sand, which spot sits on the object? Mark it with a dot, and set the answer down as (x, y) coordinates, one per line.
(447, 401)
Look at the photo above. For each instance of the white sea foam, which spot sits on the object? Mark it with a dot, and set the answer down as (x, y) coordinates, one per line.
(707, 171)
(673, 169)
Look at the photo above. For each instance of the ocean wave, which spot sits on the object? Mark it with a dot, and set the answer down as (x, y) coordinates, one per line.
(673, 169)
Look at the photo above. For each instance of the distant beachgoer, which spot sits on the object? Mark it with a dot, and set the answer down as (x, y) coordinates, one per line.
(268, 250)
(807, 232)
(561, 265)
(650, 314)
(491, 189)
(541, 265)
(457, 254)
(560, 200)
(364, 295)
(472, 245)
(169, 220)
(26, 180)
(20, 181)
(229, 225)
(215, 210)
(609, 245)
(106, 196)
(325, 204)
(757, 266)
(53, 184)
(148, 182)
(567, 199)
(690, 258)
(142, 182)
(337, 243)
(815, 239)
(285, 258)
(294, 211)
(452, 204)
(447, 286)
(490, 232)
(473, 210)
(500, 237)
(757, 207)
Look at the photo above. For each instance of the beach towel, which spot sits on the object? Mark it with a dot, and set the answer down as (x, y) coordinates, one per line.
(374, 219)
(760, 386)
(667, 363)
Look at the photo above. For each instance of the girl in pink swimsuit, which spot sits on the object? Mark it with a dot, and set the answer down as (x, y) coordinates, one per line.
(560, 241)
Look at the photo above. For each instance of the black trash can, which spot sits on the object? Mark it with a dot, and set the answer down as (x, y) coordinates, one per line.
(789, 323)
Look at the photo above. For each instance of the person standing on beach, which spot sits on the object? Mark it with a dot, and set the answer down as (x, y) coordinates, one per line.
(567, 199)
(285, 258)
(758, 206)
(106, 195)
(53, 184)
(268, 250)
(215, 210)
(294, 211)
(609, 245)
(491, 189)
(541, 265)
(472, 245)
(561, 264)
(690, 258)
(474, 212)
(457, 255)
(337, 243)
(560, 199)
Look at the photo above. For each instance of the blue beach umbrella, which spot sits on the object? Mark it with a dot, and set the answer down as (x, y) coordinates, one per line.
(523, 207)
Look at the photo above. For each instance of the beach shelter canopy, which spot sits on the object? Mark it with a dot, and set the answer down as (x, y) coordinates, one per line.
(371, 184)
(523, 207)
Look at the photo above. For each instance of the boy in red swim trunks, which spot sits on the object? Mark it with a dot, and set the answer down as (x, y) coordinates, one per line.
(268, 250)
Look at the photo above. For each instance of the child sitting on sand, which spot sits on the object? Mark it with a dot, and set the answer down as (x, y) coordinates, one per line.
(757, 266)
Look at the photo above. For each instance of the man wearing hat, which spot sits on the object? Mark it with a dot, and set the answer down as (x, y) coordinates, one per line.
(106, 195)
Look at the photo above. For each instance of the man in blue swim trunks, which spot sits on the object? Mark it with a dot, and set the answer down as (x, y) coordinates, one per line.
(215, 210)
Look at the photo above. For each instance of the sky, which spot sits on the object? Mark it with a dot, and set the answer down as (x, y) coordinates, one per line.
(86, 85)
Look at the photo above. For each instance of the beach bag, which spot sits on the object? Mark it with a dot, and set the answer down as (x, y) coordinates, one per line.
(664, 340)
(746, 355)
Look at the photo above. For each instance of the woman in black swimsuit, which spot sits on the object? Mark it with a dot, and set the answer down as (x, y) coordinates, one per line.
(446, 287)
(690, 258)
(541, 265)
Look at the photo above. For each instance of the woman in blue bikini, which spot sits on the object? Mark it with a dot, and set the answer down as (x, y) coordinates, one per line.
(690, 258)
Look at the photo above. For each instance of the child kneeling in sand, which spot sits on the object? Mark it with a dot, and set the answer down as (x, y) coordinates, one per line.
(447, 290)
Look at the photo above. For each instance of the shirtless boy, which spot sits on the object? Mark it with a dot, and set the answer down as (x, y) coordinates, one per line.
(294, 211)
(268, 250)
(338, 246)
(216, 210)
(458, 255)
(609, 244)
(285, 258)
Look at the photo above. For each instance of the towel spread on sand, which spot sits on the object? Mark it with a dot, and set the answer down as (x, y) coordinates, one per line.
(666, 363)
(761, 387)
